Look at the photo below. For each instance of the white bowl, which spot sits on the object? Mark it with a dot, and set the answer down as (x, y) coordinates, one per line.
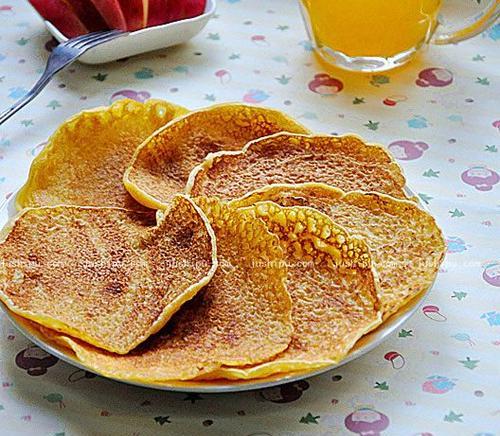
(143, 40)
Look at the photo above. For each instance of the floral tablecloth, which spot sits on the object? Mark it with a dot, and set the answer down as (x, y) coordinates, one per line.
(439, 116)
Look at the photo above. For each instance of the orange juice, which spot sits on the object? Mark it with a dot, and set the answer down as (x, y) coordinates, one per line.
(381, 28)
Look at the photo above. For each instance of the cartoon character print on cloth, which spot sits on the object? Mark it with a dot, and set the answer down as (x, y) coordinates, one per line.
(366, 421)
(492, 318)
(80, 374)
(437, 384)
(408, 150)
(491, 273)
(393, 100)
(286, 393)
(396, 359)
(255, 96)
(455, 244)
(438, 77)
(464, 337)
(35, 360)
(6, 11)
(140, 96)
(324, 84)
(481, 177)
(433, 313)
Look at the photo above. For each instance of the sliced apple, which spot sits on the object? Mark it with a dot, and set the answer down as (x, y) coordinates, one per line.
(88, 14)
(136, 13)
(182, 9)
(62, 15)
(167, 11)
(145, 6)
(158, 12)
(112, 13)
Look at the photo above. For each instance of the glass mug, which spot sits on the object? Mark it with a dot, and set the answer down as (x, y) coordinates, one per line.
(376, 35)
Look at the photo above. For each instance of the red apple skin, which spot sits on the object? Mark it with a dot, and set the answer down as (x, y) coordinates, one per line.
(112, 13)
(134, 13)
(167, 11)
(158, 12)
(182, 9)
(88, 14)
(60, 14)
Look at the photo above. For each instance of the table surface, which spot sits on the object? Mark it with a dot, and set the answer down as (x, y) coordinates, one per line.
(440, 118)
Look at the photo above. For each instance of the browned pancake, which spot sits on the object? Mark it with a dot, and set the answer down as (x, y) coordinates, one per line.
(162, 164)
(106, 275)
(345, 162)
(332, 285)
(84, 160)
(405, 242)
(242, 317)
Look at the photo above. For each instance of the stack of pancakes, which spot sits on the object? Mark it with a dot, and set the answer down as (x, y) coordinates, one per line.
(159, 244)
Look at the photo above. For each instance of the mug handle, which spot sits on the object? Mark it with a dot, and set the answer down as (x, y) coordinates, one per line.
(474, 25)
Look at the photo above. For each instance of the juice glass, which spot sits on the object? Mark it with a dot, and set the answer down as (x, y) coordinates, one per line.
(376, 35)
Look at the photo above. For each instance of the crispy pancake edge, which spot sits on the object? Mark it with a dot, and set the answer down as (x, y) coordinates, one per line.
(192, 290)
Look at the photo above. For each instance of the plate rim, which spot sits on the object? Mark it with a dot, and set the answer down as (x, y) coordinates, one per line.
(8, 211)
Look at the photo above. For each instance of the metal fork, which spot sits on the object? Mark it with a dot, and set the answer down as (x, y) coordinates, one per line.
(62, 56)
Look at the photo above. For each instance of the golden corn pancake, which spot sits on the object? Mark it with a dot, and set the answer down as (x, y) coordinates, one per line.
(342, 161)
(161, 165)
(105, 275)
(332, 286)
(406, 244)
(84, 160)
(242, 317)
(272, 250)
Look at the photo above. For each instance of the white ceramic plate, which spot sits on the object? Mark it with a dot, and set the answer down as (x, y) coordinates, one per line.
(143, 40)
(363, 346)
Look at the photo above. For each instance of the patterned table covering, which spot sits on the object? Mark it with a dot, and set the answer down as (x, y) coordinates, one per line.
(440, 118)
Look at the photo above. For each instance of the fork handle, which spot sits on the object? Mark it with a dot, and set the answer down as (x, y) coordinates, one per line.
(32, 93)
